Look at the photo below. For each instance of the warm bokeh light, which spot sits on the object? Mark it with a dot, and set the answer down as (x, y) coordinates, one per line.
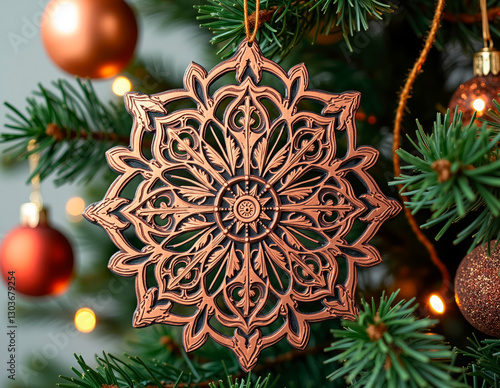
(85, 320)
(437, 303)
(65, 17)
(478, 104)
(360, 116)
(121, 85)
(74, 209)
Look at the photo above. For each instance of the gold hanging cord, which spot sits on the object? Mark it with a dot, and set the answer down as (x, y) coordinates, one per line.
(488, 42)
(34, 159)
(251, 37)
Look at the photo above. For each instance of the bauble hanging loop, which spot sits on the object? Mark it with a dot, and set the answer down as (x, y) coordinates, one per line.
(486, 62)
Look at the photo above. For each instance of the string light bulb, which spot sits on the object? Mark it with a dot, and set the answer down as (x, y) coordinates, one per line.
(74, 209)
(121, 85)
(478, 104)
(437, 304)
(85, 320)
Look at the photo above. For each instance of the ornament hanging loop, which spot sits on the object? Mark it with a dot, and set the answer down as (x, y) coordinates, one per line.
(251, 36)
(488, 42)
(487, 61)
(34, 160)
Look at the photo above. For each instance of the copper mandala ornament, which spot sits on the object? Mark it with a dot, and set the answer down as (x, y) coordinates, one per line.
(244, 209)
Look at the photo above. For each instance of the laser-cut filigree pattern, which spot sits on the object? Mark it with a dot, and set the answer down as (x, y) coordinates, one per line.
(244, 208)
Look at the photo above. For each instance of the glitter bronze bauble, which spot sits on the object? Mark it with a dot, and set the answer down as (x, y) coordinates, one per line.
(477, 289)
(89, 38)
(40, 257)
(475, 95)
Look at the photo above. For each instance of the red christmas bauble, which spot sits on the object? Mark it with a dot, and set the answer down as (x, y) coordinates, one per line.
(475, 95)
(89, 38)
(41, 257)
(477, 289)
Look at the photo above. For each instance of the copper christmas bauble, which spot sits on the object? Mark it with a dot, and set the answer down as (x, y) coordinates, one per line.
(89, 38)
(475, 95)
(477, 289)
(41, 257)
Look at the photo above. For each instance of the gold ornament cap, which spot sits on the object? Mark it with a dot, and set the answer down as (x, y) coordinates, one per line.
(486, 62)
(33, 214)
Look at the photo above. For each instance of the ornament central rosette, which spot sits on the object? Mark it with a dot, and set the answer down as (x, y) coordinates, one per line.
(247, 209)
(243, 210)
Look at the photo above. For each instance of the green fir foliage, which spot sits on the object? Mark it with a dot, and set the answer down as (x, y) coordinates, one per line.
(485, 366)
(163, 343)
(458, 24)
(260, 383)
(133, 372)
(455, 172)
(388, 346)
(84, 128)
(168, 12)
(351, 16)
(284, 23)
(288, 21)
(493, 117)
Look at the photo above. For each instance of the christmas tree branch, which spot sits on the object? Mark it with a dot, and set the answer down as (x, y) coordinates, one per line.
(112, 372)
(461, 21)
(72, 128)
(485, 365)
(492, 119)
(63, 134)
(286, 22)
(115, 373)
(456, 173)
(387, 346)
(493, 13)
(265, 383)
(283, 23)
(159, 348)
(161, 343)
(168, 11)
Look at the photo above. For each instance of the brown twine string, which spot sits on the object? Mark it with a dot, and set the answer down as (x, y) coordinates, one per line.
(486, 26)
(251, 37)
(403, 99)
